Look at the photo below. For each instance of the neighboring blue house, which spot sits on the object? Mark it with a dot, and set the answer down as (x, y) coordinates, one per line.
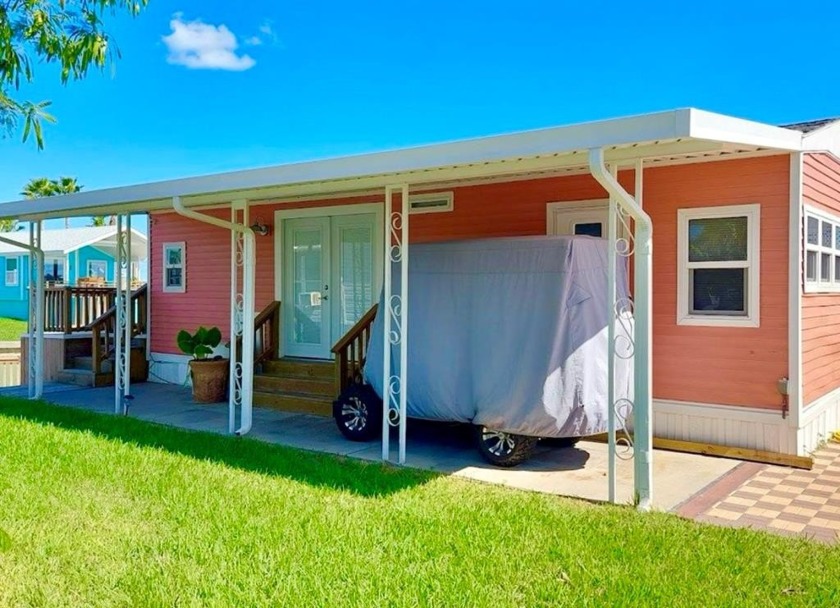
(69, 254)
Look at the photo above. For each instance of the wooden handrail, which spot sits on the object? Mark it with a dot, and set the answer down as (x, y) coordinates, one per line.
(104, 327)
(266, 334)
(351, 351)
(71, 309)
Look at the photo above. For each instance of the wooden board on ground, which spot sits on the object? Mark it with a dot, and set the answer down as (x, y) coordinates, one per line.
(711, 449)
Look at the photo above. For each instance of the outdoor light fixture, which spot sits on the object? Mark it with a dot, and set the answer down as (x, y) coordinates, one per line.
(260, 228)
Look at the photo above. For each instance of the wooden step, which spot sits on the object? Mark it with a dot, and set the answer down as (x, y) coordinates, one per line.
(293, 384)
(84, 377)
(86, 363)
(299, 368)
(79, 377)
(294, 402)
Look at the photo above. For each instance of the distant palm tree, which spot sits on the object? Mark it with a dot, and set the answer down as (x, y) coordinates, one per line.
(39, 187)
(98, 220)
(66, 185)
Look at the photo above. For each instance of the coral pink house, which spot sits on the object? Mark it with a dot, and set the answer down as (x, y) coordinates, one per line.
(746, 252)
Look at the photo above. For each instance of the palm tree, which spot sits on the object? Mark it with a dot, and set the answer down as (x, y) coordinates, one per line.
(98, 220)
(39, 187)
(66, 185)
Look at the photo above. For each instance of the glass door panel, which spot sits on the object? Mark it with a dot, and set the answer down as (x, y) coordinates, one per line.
(353, 268)
(306, 307)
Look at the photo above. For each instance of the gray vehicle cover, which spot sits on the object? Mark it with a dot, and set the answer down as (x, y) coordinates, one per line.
(510, 333)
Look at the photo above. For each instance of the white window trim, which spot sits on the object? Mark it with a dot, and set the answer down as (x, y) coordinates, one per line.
(753, 215)
(165, 266)
(89, 262)
(819, 286)
(554, 210)
(16, 273)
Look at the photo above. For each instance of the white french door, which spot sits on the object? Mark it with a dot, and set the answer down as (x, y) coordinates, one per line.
(331, 270)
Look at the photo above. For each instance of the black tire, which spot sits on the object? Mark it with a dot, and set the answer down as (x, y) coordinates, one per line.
(504, 449)
(358, 413)
(561, 442)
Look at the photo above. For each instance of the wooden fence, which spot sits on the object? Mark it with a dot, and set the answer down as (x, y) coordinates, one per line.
(10, 363)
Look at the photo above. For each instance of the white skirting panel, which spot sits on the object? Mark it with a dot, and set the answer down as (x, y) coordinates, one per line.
(169, 369)
(820, 419)
(731, 426)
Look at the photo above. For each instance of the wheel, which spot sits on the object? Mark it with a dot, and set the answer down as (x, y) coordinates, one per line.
(358, 413)
(504, 449)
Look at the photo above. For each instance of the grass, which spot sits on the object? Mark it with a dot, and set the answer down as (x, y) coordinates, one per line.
(104, 511)
(11, 329)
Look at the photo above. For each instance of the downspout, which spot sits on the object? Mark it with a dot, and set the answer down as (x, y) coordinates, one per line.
(247, 312)
(642, 294)
(36, 337)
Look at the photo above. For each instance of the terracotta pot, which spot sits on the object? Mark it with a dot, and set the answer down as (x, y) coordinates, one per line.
(209, 380)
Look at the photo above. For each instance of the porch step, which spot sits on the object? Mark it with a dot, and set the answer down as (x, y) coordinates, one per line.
(86, 363)
(84, 377)
(80, 377)
(299, 368)
(296, 385)
(294, 402)
(275, 383)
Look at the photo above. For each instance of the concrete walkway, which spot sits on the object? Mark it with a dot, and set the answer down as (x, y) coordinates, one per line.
(579, 472)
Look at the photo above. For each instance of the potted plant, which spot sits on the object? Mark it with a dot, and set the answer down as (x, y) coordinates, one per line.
(209, 375)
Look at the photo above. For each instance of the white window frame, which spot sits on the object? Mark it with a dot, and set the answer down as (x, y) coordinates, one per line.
(105, 262)
(182, 288)
(580, 212)
(752, 265)
(15, 281)
(818, 285)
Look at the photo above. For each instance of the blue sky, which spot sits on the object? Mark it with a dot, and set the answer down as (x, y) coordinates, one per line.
(294, 80)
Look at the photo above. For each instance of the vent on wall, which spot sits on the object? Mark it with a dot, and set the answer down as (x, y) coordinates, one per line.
(433, 202)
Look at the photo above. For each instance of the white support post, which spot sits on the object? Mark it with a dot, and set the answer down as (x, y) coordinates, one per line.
(395, 322)
(404, 322)
(242, 262)
(611, 270)
(120, 342)
(638, 242)
(387, 388)
(36, 311)
(243, 254)
(128, 316)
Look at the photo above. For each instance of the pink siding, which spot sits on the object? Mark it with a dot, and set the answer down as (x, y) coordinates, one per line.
(821, 312)
(714, 365)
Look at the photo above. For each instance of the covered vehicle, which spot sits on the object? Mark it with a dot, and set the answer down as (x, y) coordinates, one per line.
(507, 334)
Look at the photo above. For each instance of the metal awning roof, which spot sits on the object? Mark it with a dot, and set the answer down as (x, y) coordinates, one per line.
(674, 135)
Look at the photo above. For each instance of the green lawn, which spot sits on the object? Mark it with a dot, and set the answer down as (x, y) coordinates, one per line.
(104, 511)
(11, 329)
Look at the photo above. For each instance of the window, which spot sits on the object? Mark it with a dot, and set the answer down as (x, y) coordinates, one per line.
(718, 266)
(54, 270)
(822, 251)
(174, 267)
(97, 269)
(11, 272)
(578, 218)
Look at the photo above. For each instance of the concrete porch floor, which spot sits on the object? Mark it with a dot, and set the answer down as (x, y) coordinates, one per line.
(579, 472)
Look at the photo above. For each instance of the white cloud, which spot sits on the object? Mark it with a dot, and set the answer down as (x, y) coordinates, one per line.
(253, 41)
(201, 46)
